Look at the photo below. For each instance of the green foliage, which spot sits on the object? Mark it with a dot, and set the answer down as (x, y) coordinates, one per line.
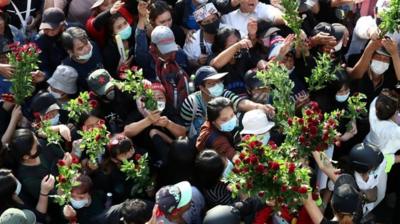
(94, 141)
(52, 137)
(292, 17)
(135, 84)
(323, 73)
(66, 180)
(356, 106)
(390, 18)
(277, 78)
(80, 105)
(138, 171)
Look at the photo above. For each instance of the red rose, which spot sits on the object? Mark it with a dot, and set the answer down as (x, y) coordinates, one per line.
(325, 137)
(272, 145)
(61, 162)
(253, 159)
(93, 103)
(308, 112)
(138, 156)
(237, 161)
(290, 121)
(313, 105)
(302, 190)
(247, 160)
(80, 101)
(249, 185)
(246, 138)
(242, 156)
(283, 188)
(302, 139)
(274, 165)
(253, 145)
(315, 196)
(245, 169)
(92, 95)
(235, 170)
(261, 194)
(75, 160)
(313, 130)
(301, 121)
(260, 168)
(61, 179)
(98, 137)
(292, 167)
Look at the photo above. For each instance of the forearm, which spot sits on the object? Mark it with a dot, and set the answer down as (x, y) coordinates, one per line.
(42, 203)
(337, 3)
(176, 129)
(325, 165)
(247, 105)
(313, 211)
(225, 56)
(396, 64)
(6, 138)
(358, 71)
(135, 128)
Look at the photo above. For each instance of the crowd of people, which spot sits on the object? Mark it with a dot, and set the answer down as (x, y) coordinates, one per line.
(200, 59)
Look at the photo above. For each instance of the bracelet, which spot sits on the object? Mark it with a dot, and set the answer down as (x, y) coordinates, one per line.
(44, 194)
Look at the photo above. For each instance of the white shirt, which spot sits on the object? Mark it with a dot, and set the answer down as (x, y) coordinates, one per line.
(193, 50)
(383, 134)
(239, 20)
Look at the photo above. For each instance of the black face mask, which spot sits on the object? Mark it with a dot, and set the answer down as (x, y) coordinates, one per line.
(212, 28)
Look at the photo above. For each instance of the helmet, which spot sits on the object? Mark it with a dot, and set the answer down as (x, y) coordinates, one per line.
(365, 157)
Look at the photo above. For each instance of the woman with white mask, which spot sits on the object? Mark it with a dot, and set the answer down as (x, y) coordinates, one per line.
(255, 122)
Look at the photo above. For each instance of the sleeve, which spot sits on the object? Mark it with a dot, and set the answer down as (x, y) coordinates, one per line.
(363, 24)
(233, 97)
(101, 20)
(44, 58)
(179, 9)
(268, 12)
(187, 111)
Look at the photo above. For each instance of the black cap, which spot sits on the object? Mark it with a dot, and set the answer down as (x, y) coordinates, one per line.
(364, 157)
(222, 214)
(265, 29)
(346, 197)
(44, 102)
(207, 73)
(52, 18)
(336, 30)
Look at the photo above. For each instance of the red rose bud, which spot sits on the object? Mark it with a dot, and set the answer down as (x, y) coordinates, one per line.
(237, 161)
(259, 144)
(80, 101)
(302, 190)
(247, 160)
(313, 130)
(92, 95)
(260, 168)
(242, 156)
(302, 139)
(93, 103)
(138, 156)
(292, 167)
(253, 145)
(283, 188)
(61, 162)
(301, 121)
(253, 159)
(61, 179)
(75, 160)
(315, 196)
(314, 105)
(274, 165)
(246, 138)
(308, 112)
(98, 137)
(290, 121)
(272, 145)
(249, 185)
(261, 194)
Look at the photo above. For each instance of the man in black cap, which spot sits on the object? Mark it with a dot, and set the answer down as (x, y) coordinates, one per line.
(48, 40)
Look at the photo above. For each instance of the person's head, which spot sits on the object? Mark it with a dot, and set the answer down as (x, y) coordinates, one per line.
(255, 122)
(136, 211)
(174, 200)
(341, 86)
(209, 81)
(257, 91)
(76, 41)
(387, 104)
(364, 158)
(225, 38)
(160, 14)
(17, 216)
(101, 83)
(209, 167)
(24, 145)
(118, 25)
(45, 107)
(207, 17)
(53, 22)
(63, 82)
(336, 30)
(380, 62)
(221, 114)
(346, 200)
(248, 6)
(164, 40)
(101, 6)
(120, 148)
(265, 30)
(222, 214)
(275, 45)
(81, 194)
(9, 186)
(91, 119)
(159, 95)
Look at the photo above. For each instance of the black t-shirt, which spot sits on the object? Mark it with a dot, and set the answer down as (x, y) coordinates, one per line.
(5, 117)
(88, 214)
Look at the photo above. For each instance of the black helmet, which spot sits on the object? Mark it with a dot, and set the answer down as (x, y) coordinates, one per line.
(222, 214)
(364, 157)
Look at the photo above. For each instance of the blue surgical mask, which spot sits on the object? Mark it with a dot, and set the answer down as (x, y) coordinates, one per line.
(125, 33)
(342, 98)
(229, 125)
(216, 90)
(228, 168)
(265, 138)
(79, 203)
(55, 120)
(86, 56)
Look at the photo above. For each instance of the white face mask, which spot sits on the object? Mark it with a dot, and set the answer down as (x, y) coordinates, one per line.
(79, 203)
(342, 98)
(160, 105)
(56, 95)
(379, 67)
(338, 46)
(86, 56)
(19, 187)
(228, 168)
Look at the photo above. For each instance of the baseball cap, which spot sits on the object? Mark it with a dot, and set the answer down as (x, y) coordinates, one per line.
(52, 18)
(207, 73)
(43, 103)
(336, 30)
(173, 197)
(17, 216)
(97, 4)
(64, 79)
(164, 39)
(222, 214)
(346, 197)
(100, 81)
(265, 29)
(255, 122)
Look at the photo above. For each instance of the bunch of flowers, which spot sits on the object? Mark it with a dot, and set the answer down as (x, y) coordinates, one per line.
(261, 171)
(390, 18)
(94, 141)
(25, 59)
(313, 131)
(44, 128)
(323, 73)
(277, 78)
(66, 180)
(84, 103)
(356, 106)
(135, 84)
(138, 171)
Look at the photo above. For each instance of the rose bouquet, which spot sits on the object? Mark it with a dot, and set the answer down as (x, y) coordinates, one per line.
(138, 171)
(25, 59)
(84, 103)
(261, 171)
(94, 141)
(134, 83)
(44, 128)
(66, 180)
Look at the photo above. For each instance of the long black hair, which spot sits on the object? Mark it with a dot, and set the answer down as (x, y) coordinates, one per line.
(221, 37)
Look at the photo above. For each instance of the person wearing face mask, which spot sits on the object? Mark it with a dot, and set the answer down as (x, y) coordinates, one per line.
(86, 203)
(209, 84)
(199, 49)
(255, 122)
(62, 83)
(378, 68)
(84, 55)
